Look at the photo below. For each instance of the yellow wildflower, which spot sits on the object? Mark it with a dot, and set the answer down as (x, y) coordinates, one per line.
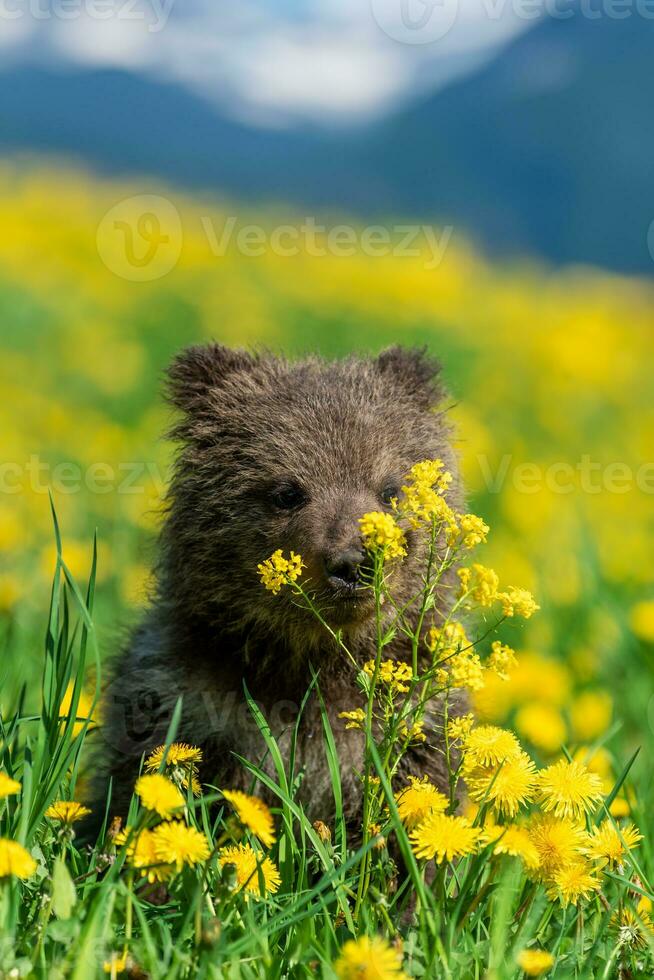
(393, 673)
(502, 660)
(181, 763)
(487, 745)
(590, 715)
(254, 814)
(514, 840)
(447, 640)
(142, 854)
(380, 531)
(543, 725)
(277, 571)
(459, 728)
(15, 861)
(417, 800)
(608, 845)
(67, 811)
(157, 793)
(8, 786)
(84, 709)
(479, 583)
(462, 670)
(177, 844)
(469, 529)
(518, 602)
(117, 963)
(558, 842)
(534, 962)
(507, 787)
(368, 958)
(440, 837)
(414, 733)
(641, 619)
(571, 882)
(568, 789)
(250, 868)
(355, 718)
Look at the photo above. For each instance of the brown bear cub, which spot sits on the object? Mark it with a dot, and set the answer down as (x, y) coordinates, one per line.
(273, 454)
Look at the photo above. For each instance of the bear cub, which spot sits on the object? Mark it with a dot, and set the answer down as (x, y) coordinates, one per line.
(273, 454)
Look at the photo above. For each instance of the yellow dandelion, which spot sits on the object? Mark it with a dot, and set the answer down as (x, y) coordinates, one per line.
(354, 719)
(158, 793)
(543, 725)
(515, 841)
(380, 531)
(590, 715)
(572, 882)
(254, 814)
(256, 874)
(177, 844)
(369, 958)
(8, 786)
(440, 837)
(277, 571)
(417, 800)
(568, 789)
(558, 842)
(488, 745)
(15, 861)
(67, 811)
(534, 962)
(609, 845)
(142, 854)
(507, 787)
(182, 762)
(635, 930)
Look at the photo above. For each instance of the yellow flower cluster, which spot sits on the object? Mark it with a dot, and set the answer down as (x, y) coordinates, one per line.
(180, 765)
(277, 570)
(393, 673)
(380, 532)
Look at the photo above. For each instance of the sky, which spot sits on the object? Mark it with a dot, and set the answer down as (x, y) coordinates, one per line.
(275, 62)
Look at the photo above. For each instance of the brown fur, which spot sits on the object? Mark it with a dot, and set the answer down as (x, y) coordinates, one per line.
(343, 431)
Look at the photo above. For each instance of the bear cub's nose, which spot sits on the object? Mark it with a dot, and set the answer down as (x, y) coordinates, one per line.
(344, 569)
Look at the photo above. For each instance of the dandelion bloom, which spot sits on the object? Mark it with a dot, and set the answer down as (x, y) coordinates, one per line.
(635, 931)
(488, 745)
(369, 958)
(256, 874)
(158, 793)
(8, 786)
(277, 571)
(177, 844)
(178, 755)
(418, 800)
(543, 725)
(507, 788)
(515, 841)
(142, 854)
(380, 531)
(558, 842)
(15, 861)
(534, 962)
(569, 789)
(443, 838)
(572, 882)
(254, 814)
(609, 845)
(67, 811)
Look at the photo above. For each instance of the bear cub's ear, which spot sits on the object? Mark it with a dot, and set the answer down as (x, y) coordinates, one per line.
(198, 369)
(414, 371)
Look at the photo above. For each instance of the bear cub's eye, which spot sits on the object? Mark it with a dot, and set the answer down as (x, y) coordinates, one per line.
(390, 492)
(288, 496)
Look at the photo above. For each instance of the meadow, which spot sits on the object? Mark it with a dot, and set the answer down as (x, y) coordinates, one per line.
(550, 375)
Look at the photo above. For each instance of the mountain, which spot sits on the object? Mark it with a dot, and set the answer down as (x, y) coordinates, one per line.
(546, 150)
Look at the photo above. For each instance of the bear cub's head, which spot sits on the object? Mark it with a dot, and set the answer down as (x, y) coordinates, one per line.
(278, 454)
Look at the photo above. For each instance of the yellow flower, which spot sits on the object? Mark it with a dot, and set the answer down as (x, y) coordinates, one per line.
(487, 745)
(67, 811)
(117, 963)
(558, 842)
(507, 787)
(368, 958)
(441, 837)
(84, 709)
(417, 800)
(355, 718)
(502, 660)
(181, 763)
(250, 868)
(518, 602)
(641, 619)
(447, 640)
(177, 844)
(157, 793)
(277, 571)
(590, 715)
(515, 841)
(254, 814)
(469, 529)
(479, 583)
(543, 725)
(8, 786)
(535, 962)
(393, 673)
(142, 854)
(430, 473)
(462, 670)
(568, 789)
(380, 531)
(459, 728)
(571, 882)
(414, 733)
(15, 861)
(635, 931)
(605, 843)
